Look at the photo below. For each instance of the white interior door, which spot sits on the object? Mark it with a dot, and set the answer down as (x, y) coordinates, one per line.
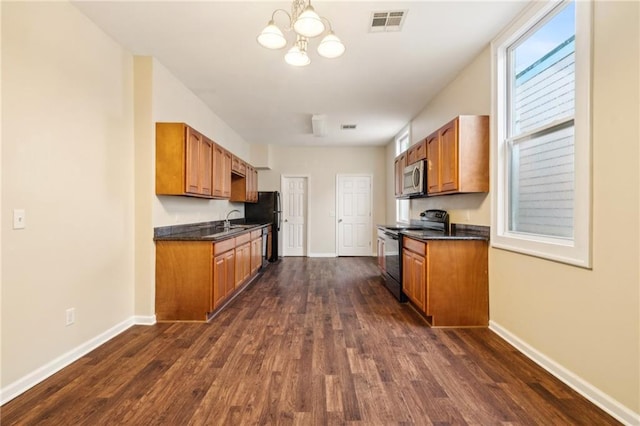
(354, 215)
(294, 213)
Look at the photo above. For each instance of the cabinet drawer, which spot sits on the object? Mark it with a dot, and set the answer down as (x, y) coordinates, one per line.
(415, 246)
(223, 246)
(244, 238)
(256, 234)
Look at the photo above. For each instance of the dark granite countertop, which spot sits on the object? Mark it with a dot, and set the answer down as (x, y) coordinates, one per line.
(205, 231)
(457, 232)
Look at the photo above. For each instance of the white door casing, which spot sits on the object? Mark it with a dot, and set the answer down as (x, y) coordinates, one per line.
(294, 213)
(354, 207)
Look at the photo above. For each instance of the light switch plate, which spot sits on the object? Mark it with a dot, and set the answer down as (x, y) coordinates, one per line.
(19, 219)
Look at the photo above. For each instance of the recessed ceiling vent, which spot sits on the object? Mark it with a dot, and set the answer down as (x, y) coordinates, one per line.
(348, 126)
(387, 21)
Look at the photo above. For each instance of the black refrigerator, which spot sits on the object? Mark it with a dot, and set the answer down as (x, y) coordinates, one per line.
(268, 209)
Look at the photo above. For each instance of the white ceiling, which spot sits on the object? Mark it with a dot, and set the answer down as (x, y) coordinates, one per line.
(381, 82)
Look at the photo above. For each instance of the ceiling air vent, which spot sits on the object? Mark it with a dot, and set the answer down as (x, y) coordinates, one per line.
(387, 21)
(348, 126)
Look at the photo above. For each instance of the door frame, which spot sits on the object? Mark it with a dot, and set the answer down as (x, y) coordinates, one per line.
(370, 176)
(283, 177)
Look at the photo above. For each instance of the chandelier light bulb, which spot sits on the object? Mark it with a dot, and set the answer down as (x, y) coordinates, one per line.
(309, 24)
(331, 46)
(271, 37)
(297, 57)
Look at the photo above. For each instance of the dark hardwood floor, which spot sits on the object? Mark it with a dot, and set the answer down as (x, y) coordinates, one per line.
(311, 342)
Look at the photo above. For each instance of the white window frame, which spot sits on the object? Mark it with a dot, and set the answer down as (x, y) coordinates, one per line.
(576, 251)
(402, 205)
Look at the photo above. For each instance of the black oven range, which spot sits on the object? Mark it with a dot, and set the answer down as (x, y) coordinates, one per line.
(391, 238)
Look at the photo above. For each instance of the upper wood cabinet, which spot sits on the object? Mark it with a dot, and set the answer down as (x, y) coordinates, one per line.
(398, 166)
(188, 163)
(245, 188)
(221, 172)
(458, 156)
(417, 152)
(238, 166)
(183, 161)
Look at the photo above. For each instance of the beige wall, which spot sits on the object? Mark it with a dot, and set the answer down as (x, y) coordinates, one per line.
(585, 323)
(173, 101)
(321, 165)
(67, 142)
(588, 321)
(468, 93)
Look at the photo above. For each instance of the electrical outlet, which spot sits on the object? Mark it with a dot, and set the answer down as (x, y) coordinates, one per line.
(19, 219)
(71, 316)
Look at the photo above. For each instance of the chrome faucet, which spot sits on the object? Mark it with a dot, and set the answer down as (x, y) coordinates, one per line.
(227, 224)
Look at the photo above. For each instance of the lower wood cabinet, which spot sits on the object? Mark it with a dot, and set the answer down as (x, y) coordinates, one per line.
(224, 257)
(447, 281)
(194, 278)
(243, 259)
(256, 251)
(414, 271)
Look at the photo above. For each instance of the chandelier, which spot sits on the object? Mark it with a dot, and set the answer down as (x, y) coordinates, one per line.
(306, 24)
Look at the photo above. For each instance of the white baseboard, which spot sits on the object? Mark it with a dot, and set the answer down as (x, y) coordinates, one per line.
(30, 380)
(322, 255)
(144, 320)
(586, 389)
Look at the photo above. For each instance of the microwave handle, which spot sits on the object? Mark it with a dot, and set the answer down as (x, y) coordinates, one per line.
(416, 177)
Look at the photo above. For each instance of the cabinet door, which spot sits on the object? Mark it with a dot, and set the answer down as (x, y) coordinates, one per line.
(229, 271)
(418, 271)
(449, 157)
(198, 163)
(414, 277)
(416, 152)
(219, 280)
(192, 161)
(243, 264)
(256, 255)
(221, 172)
(433, 163)
(399, 165)
(205, 174)
(226, 175)
(407, 275)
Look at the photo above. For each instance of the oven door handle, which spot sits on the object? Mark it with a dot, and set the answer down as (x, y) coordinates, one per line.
(392, 236)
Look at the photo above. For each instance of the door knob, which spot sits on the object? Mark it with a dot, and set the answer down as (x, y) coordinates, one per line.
(286, 220)
(339, 220)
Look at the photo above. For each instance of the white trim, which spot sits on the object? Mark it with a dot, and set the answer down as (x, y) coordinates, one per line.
(30, 380)
(578, 251)
(307, 213)
(577, 383)
(322, 255)
(144, 320)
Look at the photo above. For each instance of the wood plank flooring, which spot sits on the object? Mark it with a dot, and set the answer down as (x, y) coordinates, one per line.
(311, 342)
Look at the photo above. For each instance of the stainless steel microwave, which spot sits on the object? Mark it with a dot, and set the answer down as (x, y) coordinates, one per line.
(414, 180)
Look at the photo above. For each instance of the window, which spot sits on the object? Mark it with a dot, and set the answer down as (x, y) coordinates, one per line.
(402, 206)
(541, 140)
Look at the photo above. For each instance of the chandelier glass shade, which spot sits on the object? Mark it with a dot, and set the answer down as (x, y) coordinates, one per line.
(306, 24)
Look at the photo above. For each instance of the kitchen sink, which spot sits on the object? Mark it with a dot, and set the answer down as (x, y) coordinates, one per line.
(222, 234)
(233, 229)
